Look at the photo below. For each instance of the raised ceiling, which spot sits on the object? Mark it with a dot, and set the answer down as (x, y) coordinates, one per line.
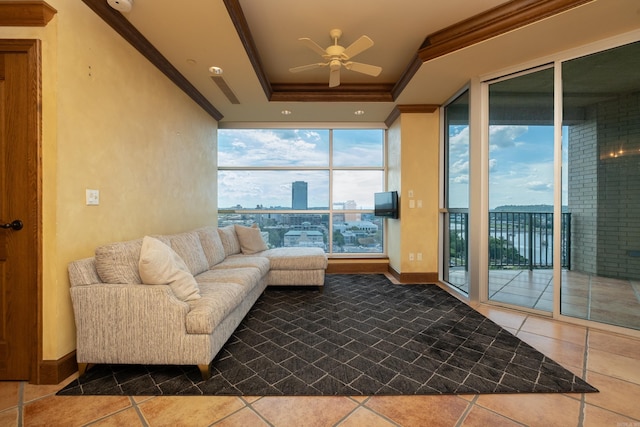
(428, 49)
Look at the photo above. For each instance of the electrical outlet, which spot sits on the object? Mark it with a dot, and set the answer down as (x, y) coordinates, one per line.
(419, 256)
(411, 256)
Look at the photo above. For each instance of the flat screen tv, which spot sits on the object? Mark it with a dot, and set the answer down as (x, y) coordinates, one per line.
(386, 204)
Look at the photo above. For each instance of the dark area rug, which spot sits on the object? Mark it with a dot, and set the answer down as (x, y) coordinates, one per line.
(360, 335)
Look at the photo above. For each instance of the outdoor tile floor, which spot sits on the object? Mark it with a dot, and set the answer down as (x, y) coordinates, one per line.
(608, 361)
(584, 296)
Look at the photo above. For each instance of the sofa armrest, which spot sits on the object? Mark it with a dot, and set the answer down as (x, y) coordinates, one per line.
(130, 323)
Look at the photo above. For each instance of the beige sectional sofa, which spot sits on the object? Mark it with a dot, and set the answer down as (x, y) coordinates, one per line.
(176, 299)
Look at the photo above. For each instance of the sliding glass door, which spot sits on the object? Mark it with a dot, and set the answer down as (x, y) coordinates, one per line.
(601, 112)
(456, 213)
(521, 189)
(549, 194)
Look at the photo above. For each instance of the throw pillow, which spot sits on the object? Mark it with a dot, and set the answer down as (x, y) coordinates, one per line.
(229, 240)
(250, 239)
(118, 262)
(212, 245)
(161, 265)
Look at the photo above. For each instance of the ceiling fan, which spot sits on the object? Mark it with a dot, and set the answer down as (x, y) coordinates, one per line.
(337, 57)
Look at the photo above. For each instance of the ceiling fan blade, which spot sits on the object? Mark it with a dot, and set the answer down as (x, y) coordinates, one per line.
(371, 70)
(308, 67)
(360, 45)
(334, 77)
(313, 46)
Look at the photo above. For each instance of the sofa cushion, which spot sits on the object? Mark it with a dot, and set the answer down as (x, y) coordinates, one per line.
(250, 239)
(118, 262)
(241, 261)
(211, 244)
(296, 258)
(248, 277)
(189, 248)
(161, 265)
(217, 302)
(229, 240)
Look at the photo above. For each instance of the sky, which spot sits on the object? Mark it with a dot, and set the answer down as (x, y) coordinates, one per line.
(520, 165)
(282, 148)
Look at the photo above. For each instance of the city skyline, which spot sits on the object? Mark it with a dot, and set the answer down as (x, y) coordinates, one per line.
(254, 149)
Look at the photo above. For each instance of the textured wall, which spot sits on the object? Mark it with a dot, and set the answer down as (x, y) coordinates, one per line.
(413, 156)
(111, 122)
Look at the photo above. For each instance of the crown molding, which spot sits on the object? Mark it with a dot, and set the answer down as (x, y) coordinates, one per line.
(409, 108)
(25, 13)
(317, 92)
(492, 23)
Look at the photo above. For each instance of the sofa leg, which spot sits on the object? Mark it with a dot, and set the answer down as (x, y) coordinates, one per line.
(82, 368)
(205, 371)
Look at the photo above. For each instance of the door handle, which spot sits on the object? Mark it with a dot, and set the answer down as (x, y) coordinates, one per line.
(14, 225)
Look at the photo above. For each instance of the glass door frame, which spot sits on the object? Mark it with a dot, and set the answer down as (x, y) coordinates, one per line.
(479, 178)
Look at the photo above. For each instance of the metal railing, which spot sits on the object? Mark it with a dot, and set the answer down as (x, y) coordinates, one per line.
(516, 239)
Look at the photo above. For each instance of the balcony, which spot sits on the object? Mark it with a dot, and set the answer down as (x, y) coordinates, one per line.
(517, 240)
(521, 270)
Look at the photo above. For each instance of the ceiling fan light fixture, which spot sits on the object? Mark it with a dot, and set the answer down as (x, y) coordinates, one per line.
(336, 57)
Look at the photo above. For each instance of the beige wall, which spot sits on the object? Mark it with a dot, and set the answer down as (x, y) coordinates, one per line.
(111, 122)
(413, 160)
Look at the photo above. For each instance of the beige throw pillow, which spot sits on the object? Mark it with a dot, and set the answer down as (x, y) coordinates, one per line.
(250, 239)
(161, 265)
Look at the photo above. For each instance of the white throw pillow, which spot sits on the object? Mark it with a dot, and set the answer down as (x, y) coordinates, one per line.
(250, 239)
(161, 265)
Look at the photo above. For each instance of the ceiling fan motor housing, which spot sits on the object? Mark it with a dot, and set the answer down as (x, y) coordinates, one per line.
(335, 51)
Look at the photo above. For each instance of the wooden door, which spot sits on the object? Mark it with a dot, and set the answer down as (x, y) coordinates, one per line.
(20, 262)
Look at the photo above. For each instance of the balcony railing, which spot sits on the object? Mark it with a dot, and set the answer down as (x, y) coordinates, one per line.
(516, 240)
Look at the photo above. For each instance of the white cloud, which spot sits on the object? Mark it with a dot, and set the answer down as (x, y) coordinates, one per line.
(262, 147)
(505, 136)
(539, 186)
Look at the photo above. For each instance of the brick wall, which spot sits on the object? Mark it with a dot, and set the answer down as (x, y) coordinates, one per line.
(604, 189)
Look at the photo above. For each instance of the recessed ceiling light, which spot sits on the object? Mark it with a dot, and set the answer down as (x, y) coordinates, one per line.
(285, 112)
(215, 70)
(192, 61)
(359, 112)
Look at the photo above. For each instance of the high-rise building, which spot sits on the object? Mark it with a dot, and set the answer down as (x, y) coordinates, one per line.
(299, 195)
(351, 205)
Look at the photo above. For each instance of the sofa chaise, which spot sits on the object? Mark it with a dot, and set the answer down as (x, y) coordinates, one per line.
(176, 299)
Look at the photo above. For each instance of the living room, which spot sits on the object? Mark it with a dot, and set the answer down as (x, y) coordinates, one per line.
(110, 120)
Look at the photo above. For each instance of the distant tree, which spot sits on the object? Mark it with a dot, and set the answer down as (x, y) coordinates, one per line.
(366, 241)
(501, 252)
(457, 245)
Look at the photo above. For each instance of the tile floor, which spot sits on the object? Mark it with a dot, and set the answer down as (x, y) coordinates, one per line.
(583, 296)
(607, 361)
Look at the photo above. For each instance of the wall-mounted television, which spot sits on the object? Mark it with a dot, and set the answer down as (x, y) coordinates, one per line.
(386, 204)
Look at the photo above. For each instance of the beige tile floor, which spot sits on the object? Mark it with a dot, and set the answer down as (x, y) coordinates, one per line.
(609, 362)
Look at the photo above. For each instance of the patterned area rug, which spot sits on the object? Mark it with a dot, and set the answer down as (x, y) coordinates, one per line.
(360, 335)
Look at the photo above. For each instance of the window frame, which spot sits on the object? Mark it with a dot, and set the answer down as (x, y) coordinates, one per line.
(330, 168)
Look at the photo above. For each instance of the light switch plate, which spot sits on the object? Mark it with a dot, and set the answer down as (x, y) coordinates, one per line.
(93, 197)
